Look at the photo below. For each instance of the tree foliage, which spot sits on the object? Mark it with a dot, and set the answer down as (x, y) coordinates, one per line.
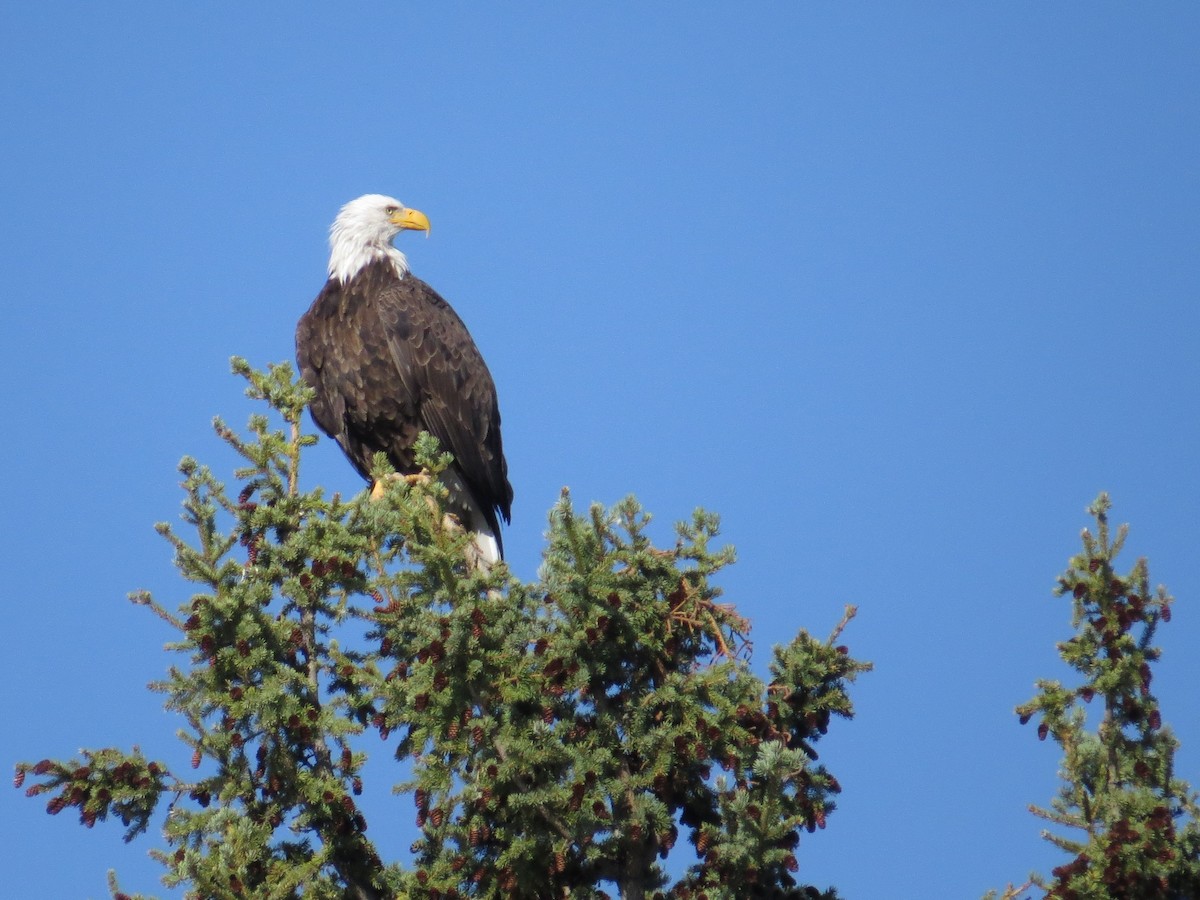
(554, 738)
(1130, 825)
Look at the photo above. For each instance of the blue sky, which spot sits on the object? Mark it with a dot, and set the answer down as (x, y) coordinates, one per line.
(896, 289)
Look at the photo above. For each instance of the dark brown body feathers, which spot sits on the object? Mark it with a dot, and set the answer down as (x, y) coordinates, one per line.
(388, 359)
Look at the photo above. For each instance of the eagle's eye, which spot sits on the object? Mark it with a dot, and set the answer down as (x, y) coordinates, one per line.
(391, 210)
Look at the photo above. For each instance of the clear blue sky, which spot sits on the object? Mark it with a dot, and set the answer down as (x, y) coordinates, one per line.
(895, 288)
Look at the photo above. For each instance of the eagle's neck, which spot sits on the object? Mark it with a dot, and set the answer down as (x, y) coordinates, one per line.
(350, 253)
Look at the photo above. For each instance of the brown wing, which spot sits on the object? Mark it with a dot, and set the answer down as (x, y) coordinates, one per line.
(389, 358)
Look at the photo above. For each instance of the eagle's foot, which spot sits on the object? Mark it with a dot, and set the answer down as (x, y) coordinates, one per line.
(379, 488)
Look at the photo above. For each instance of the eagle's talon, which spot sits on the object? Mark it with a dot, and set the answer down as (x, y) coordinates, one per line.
(379, 486)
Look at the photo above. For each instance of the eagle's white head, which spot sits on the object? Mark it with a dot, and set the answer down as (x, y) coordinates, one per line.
(363, 232)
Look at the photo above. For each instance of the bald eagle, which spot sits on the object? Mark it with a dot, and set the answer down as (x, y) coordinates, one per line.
(389, 358)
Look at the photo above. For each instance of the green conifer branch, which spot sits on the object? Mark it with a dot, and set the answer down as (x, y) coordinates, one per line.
(1139, 834)
(557, 733)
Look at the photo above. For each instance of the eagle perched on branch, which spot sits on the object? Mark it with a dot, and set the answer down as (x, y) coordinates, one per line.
(389, 358)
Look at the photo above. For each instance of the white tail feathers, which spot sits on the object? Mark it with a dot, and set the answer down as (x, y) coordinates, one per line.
(486, 550)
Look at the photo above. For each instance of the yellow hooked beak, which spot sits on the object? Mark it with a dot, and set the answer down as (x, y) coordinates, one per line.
(411, 219)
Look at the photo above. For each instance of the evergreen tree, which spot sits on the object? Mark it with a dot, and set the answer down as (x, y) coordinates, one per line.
(555, 738)
(1131, 825)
